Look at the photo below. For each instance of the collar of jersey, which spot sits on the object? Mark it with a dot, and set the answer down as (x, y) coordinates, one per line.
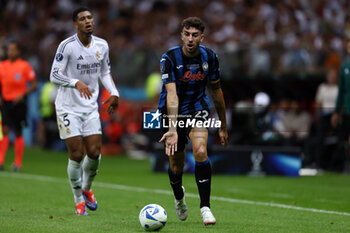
(81, 44)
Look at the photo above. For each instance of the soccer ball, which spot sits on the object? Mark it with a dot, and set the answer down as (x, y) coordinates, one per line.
(152, 217)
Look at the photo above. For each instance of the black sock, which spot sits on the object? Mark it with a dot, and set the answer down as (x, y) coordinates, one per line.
(176, 184)
(203, 178)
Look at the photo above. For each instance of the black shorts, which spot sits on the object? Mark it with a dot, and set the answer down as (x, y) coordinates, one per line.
(183, 132)
(14, 115)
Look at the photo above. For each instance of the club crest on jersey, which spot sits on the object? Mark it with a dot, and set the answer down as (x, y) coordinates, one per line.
(59, 57)
(205, 66)
(97, 54)
(190, 76)
(18, 76)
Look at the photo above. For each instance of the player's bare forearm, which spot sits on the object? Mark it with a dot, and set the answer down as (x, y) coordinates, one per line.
(172, 105)
(219, 102)
(171, 136)
(220, 107)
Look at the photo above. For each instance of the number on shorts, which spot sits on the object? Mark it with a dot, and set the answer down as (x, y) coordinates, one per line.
(202, 114)
(65, 120)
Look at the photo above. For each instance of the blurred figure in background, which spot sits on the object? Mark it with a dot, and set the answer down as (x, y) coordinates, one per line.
(15, 73)
(342, 109)
(326, 97)
(48, 131)
(296, 122)
(317, 144)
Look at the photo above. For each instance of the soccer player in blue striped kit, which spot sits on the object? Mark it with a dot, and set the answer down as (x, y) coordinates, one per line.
(186, 70)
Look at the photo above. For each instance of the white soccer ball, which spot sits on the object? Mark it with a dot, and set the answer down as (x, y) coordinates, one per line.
(152, 217)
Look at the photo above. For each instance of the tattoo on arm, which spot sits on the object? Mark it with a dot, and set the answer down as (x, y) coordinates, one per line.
(173, 104)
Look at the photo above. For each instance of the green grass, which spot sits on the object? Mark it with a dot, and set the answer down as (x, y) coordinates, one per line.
(37, 204)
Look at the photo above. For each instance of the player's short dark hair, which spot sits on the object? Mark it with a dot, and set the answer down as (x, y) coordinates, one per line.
(193, 22)
(78, 10)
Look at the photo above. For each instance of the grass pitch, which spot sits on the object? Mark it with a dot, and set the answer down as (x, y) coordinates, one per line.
(39, 199)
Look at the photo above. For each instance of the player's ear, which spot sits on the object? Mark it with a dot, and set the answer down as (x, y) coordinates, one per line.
(76, 24)
(182, 35)
(202, 37)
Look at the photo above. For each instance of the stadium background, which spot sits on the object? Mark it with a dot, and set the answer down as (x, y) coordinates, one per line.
(281, 48)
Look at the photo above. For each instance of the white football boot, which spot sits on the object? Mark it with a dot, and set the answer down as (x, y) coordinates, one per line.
(207, 217)
(181, 207)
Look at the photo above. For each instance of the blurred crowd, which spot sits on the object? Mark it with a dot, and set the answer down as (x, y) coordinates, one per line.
(255, 37)
(293, 122)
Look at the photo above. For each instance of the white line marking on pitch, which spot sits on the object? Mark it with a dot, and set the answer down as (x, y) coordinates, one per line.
(280, 195)
(161, 191)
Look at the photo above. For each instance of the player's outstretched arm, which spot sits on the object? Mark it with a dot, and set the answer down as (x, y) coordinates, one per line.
(219, 103)
(172, 107)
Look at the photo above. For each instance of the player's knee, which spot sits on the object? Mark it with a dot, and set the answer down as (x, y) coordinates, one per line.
(176, 168)
(93, 151)
(76, 155)
(200, 152)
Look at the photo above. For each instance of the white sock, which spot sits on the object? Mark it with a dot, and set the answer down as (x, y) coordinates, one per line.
(74, 175)
(90, 168)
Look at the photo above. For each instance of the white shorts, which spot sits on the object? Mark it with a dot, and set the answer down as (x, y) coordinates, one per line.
(78, 124)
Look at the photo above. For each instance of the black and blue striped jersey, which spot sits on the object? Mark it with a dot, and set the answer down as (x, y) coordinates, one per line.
(190, 76)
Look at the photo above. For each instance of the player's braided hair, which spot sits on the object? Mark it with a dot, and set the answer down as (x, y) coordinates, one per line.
(193, 22)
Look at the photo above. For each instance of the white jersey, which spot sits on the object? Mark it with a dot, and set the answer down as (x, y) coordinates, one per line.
(74, 62)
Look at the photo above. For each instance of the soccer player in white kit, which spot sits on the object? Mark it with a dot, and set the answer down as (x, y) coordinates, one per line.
(80, 61)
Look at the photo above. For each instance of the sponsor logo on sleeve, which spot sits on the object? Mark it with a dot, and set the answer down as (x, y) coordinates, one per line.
(59, 57)
(205, 66)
